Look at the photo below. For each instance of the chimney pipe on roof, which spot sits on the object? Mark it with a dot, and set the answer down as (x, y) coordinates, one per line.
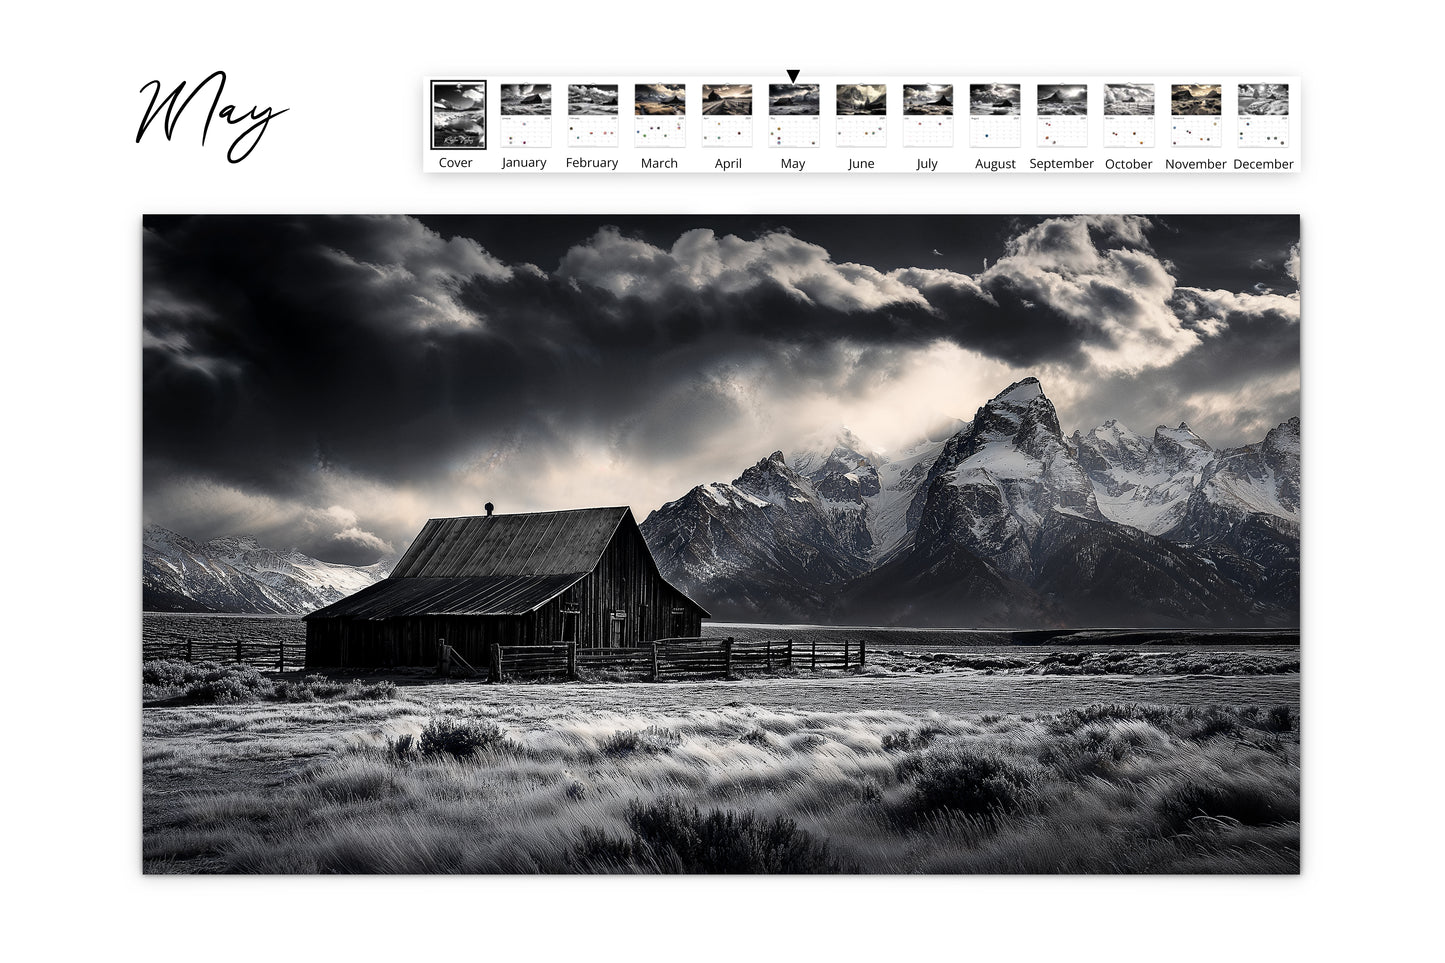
(488, 507)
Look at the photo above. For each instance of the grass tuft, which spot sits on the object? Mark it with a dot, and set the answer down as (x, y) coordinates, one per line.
(972, 780)
(461, 738)
(668, 836)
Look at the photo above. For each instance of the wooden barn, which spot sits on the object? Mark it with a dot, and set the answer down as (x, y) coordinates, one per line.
(584, 576)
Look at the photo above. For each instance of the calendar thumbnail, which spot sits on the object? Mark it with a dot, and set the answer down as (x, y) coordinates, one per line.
(1196, 100)
(526, 115)
(1264, 115)
(928, 115)
(727, 115)
(592, 119)
(592, 100)
(525, 100)
(793, 100)
(793, 115)
(1063, 115)
(862, 115)
(1195, 115)
(459, 115)
(1128, 115)
(660, 119)
(727, 100)
(862, 99)
(993, 115)
(660, 100)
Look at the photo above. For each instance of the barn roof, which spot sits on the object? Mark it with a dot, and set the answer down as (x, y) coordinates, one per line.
(540, 543)
(488, 565)
(480, 595)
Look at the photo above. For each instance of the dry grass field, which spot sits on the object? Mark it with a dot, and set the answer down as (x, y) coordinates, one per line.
(365, 777)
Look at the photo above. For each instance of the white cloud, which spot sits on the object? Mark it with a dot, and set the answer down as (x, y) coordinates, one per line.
(700, 261)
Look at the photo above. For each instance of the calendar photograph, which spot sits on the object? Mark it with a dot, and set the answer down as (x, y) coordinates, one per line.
(1196, 99)
(663, 100)
(1063, 100)
(724, 100)
(993, 100)
(720, 544)
(1263, 100)
(584, 100)
(525, 100)
(459, 115)
(1128, 100)
(862, 100)
(794, 99)
(924, 100)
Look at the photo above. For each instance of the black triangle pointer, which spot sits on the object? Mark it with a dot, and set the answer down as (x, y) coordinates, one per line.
(793, 76)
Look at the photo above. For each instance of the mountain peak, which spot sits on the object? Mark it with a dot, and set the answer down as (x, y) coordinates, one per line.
(1021, 392)
(777, 456)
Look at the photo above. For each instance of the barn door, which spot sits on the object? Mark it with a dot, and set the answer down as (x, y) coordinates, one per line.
(615, 636)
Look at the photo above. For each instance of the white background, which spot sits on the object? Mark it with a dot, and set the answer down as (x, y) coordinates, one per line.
(76, 185)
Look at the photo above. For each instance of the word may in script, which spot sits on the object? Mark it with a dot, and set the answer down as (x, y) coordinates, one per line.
(174, 107)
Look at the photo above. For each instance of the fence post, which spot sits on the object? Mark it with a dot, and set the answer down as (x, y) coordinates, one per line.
(238, 651)
(653, 676)
(571, 660)
(189, 643)
(770, 655)
(790, 654)
(862, 652)
(815, 654)
(281, 662)
(845, 654)
(728, 657)
(496, 662)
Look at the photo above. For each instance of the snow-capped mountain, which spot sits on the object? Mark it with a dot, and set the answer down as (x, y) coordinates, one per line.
(1141, 483)
(999, 521)
(238, 574)
(765, 544)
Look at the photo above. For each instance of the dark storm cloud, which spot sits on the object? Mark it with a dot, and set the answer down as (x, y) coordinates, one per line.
(336, 376)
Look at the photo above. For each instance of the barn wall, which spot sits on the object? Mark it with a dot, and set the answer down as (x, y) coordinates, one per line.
(371, 643)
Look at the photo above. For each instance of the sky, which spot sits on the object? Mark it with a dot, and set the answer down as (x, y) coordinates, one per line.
(328, 383)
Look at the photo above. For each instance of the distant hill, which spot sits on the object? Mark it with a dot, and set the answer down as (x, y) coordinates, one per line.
(238, 574)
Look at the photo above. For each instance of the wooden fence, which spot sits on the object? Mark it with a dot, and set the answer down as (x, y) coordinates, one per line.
(265, 654)
(673, 659)
(656, 661)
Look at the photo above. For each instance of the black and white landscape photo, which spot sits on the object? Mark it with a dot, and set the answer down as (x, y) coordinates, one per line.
(922, 100)
(1056, 100)
(862, 99)
(592, 100)
(1128, 100)
(525, 100)
(459, 114)
(721, 544)
(1196, 99)
(993, 100)
(723, 100)
(788, 99)
(660, 99)
(1264, 99)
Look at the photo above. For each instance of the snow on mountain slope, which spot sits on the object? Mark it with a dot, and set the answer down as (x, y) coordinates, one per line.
(1014, 471)
(238, 574)
(1143, 484)
(1150, 487)
(1263, 478)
